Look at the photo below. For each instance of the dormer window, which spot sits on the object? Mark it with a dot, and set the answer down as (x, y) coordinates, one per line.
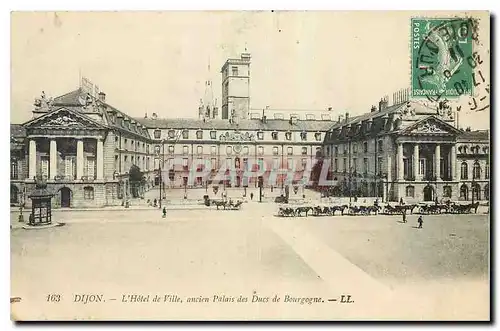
(317, 136)
(303, 136)
(288, 136)
(213, 134)
(274, 135)
(171, 134)
(157, 134)
(260, 135)
(199, 134)
(185, 134)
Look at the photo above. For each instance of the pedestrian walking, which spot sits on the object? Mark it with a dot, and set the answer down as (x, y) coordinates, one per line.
(164, 212)
(404, 216)
(251, 195)
(420, 222)
(401, 202)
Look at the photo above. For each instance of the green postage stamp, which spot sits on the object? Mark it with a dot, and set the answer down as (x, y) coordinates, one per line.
(442, 57)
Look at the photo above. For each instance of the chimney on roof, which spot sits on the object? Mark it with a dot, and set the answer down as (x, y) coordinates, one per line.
(340, 118)
(382, 104)
(145, 115)
(346, 116)
(373, 109)
(102, 96)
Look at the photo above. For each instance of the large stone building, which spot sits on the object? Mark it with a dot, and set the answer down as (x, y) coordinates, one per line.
(82, 146)
(409, 151)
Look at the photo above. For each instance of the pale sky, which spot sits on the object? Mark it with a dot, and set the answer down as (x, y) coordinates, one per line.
(157, 61)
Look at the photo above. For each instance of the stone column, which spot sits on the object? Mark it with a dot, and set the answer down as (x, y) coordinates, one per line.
(32, 160)
(100, 159)
(416, 162)
(53, 159)
(79, 159)
(388, 180)
(437, 159)
(453, 162)
(400, 169)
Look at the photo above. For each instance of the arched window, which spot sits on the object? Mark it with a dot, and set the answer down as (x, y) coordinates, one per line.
(476, 170)
(410, 191)
(487, 170)
(487, 192)
(447, 191)
(88, 193)
(464, 170)
(476, 191)
(464, 192)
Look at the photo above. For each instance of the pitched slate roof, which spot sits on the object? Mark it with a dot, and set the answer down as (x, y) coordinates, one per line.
(248, 124)
(475, 135)
(17, 131)
(73, 99)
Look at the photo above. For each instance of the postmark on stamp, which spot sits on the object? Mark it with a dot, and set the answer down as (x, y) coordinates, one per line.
(442, 50)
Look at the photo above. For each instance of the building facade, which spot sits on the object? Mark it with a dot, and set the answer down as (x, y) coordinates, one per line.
(407, 151)
(236, 88)
(82, 147)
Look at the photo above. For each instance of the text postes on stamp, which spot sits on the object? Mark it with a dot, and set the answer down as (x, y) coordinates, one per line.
(441, 50)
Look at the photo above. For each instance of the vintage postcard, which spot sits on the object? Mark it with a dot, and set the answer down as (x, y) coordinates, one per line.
(253, 166)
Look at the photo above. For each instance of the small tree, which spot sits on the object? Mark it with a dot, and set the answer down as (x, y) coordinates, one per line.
(136, 179)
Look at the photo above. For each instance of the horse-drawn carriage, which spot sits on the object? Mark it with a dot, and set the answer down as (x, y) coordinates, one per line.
(227, 204)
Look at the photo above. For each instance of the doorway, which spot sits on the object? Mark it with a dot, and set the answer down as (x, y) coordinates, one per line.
(65, 197)
(428, 193)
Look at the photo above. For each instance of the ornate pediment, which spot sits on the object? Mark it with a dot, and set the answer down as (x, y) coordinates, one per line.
(64, 118)
(430, 126)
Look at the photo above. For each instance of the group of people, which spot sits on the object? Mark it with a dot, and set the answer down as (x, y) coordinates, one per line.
(420, 220)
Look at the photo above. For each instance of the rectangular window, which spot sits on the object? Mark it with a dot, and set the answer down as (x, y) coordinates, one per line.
(354, 165)
(88, 193)
(213, 134)
(235, 71)
(344, 164)
(365, 147)
(214, 163)
(317, 136)
(45, 167)
(199, 134)
(213, 150)
(336, 150)
(275, 163)
(380, 164)
(260, 135)
(354, 148)
(90, 167)
(260, 162)
(170, 163)
(289, 150)
(245, 163)
(199, 149)
(185, 134)
(275, 150)
(69, 169)
(380, 146)
(335, 165)
(260, 150)
(229, 163)
(274, 135)
(185, 150)
(245, 150)
(229, 150)
(303, 163)
(304, 150)
(289, 163)
(410, 191)
(421, 167)
(171, 149)
(157, 134)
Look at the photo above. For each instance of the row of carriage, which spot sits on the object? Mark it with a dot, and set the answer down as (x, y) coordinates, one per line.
(425, 209)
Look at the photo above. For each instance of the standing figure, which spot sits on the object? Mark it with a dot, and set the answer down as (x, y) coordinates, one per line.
(404, 216)
(164, 212)
(420, 221)
(251, 195)
(401, 202)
